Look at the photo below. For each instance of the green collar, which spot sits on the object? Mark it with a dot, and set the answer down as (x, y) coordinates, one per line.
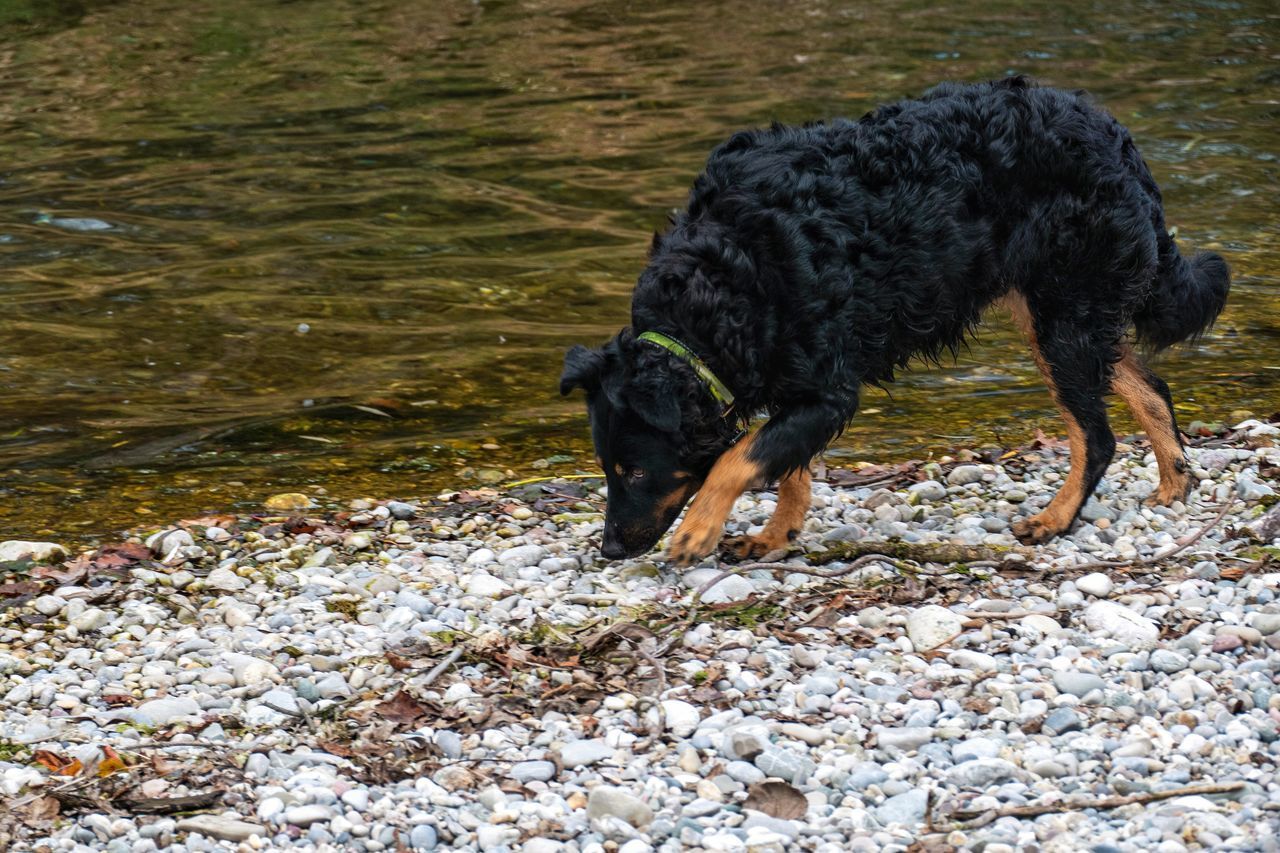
(717, 388)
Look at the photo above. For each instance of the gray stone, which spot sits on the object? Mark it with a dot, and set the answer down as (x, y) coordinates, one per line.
(1077, 683)
(930, 626)
(162, 712)
(786, 765)
(1163, 660)
(1094, 510)
(931, 490)
(523, 556)
(579, 753)
(975, 748)
(37, 552)
(307, 815)
(605, 800)
(845, 533)
(1061, 721)
(222, 828)
(1096, 584)
(401, 511)
(424, 837)
(962, 475)
(907, 809)
(531, 771)
(905, 739)
(982, 772)
(1121, 624)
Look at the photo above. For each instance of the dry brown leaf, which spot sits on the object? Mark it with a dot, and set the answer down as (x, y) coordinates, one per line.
(9, 590)
(777, 799)
(43, 809)
(402, 709)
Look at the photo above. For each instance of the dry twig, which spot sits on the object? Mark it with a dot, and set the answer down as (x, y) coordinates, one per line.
(981, 818)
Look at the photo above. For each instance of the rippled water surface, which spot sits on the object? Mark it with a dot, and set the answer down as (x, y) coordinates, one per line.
(253, 246)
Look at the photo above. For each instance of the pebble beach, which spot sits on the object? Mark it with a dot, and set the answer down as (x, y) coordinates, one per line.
(465, 672)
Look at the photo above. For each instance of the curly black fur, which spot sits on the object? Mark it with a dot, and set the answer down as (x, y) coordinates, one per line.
(812, 260)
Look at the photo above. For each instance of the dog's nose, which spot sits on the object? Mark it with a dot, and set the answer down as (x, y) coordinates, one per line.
(611, 547)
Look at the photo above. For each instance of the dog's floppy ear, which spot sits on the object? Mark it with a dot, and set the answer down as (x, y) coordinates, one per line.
(654, 399)
(582, 369)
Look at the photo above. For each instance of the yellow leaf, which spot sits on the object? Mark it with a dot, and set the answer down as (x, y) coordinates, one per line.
(111, 762)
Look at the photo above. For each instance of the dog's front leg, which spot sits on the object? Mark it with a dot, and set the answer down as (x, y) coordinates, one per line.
(785, 444)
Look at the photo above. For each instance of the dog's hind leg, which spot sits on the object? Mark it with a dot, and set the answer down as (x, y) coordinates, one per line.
(795, 493)
(1077, 369)
(1148, 397)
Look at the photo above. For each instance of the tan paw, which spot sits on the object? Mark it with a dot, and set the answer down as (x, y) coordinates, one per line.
(765, 542)
(1036, 530)
(692, 543)
(1167, 493)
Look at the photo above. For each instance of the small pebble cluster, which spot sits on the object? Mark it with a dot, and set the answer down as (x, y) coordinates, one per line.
(466, 673)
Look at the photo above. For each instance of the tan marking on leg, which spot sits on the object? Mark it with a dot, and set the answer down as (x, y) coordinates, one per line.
(1061, 511)
(795, 493)
(1152, 414)
(703, 524)
(675, 498)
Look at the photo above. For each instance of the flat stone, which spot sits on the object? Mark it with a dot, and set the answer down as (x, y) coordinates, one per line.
(222, 828)
(487, 586)
(532, 771)
(963, 475)
(523, 556)
(579, 753)
(605, 800)
(974, 748)
(1121, 624)
(1060, 721)
(931, 490)
(930, 626)
(1164, 660)
(163, 711)
(1094, 510)
(786, 765)
(905, 739)
(982, 772)
(1077, 683)
(37, 552)
(1096, 584)
(906, 809)
(307, 815)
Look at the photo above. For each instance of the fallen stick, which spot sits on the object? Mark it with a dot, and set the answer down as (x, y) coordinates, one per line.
(1156, 558)
(169, 805)
(438, 669)
(917, 552)
(1105, 803)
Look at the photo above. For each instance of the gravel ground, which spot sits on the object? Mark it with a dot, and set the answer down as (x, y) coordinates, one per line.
(466, 672)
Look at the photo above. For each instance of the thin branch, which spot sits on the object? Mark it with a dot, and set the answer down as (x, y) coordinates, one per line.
(1104, 803)
(438, 669)
(1156, 558)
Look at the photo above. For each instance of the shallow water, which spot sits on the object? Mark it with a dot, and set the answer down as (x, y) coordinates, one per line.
(250, 247)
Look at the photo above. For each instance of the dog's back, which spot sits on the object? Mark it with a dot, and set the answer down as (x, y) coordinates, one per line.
(886, 238)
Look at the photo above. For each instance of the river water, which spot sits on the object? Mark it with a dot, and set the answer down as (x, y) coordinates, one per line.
(257, 246)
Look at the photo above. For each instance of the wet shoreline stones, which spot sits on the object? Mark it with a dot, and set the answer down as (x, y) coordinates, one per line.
(972, 690)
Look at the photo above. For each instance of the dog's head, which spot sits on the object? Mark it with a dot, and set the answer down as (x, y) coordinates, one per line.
(654, 437)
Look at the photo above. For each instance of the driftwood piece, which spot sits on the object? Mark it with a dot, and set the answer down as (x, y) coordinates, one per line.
(916, 552)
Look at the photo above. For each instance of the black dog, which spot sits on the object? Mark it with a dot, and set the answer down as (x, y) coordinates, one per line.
(813, 260)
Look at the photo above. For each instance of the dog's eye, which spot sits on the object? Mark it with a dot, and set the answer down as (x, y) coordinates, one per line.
(636, 473)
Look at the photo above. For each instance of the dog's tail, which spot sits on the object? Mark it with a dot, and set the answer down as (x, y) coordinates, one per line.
(1186, 297)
